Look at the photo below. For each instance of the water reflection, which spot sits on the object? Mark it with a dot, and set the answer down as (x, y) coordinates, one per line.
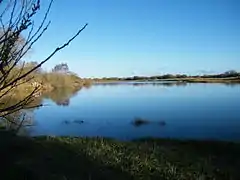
(232, 84)
(160, 83)
(20, 121)
(61, 96)
(152, 83)
(198, 111)
(65, 102)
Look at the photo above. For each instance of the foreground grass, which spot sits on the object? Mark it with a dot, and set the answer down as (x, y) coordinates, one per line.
(98, 158)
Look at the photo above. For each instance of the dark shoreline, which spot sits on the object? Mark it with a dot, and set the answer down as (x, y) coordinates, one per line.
(102, 158)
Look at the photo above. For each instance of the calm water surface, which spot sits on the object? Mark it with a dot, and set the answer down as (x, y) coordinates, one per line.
(187, 111)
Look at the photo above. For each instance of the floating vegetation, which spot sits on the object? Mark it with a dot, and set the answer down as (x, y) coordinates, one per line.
(140, 121)
(162, 123)
(74, 121)
(66, 122)
(78, 121)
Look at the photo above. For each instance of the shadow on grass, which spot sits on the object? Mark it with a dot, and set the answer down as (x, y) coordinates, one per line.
(46, 158)
(99, 158)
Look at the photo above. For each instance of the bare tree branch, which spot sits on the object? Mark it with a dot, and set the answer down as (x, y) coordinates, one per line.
(49, 57)
(13, 47)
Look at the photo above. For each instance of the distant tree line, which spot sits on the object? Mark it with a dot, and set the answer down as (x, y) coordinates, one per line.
(227, 74)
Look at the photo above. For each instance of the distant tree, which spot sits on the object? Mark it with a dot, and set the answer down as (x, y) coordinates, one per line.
(153, 78)
(181, 76)
(168, 76)
(231, 73)
(61, 68)
(184, 76)
(136, 77)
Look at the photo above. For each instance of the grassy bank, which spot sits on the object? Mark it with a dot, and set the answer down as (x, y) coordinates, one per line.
(98, 158)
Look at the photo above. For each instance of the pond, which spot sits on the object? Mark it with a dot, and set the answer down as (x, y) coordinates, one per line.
(135, 110)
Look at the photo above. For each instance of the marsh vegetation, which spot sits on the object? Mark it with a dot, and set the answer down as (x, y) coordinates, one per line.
(101, 158)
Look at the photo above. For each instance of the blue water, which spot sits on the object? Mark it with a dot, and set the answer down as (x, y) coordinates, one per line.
(193, 111)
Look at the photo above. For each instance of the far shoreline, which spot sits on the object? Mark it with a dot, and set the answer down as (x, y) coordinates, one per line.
(232, 80)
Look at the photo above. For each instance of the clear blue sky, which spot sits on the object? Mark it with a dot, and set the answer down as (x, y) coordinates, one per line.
(143, 37)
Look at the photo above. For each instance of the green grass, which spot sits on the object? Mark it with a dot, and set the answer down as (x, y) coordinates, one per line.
(99, 158)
